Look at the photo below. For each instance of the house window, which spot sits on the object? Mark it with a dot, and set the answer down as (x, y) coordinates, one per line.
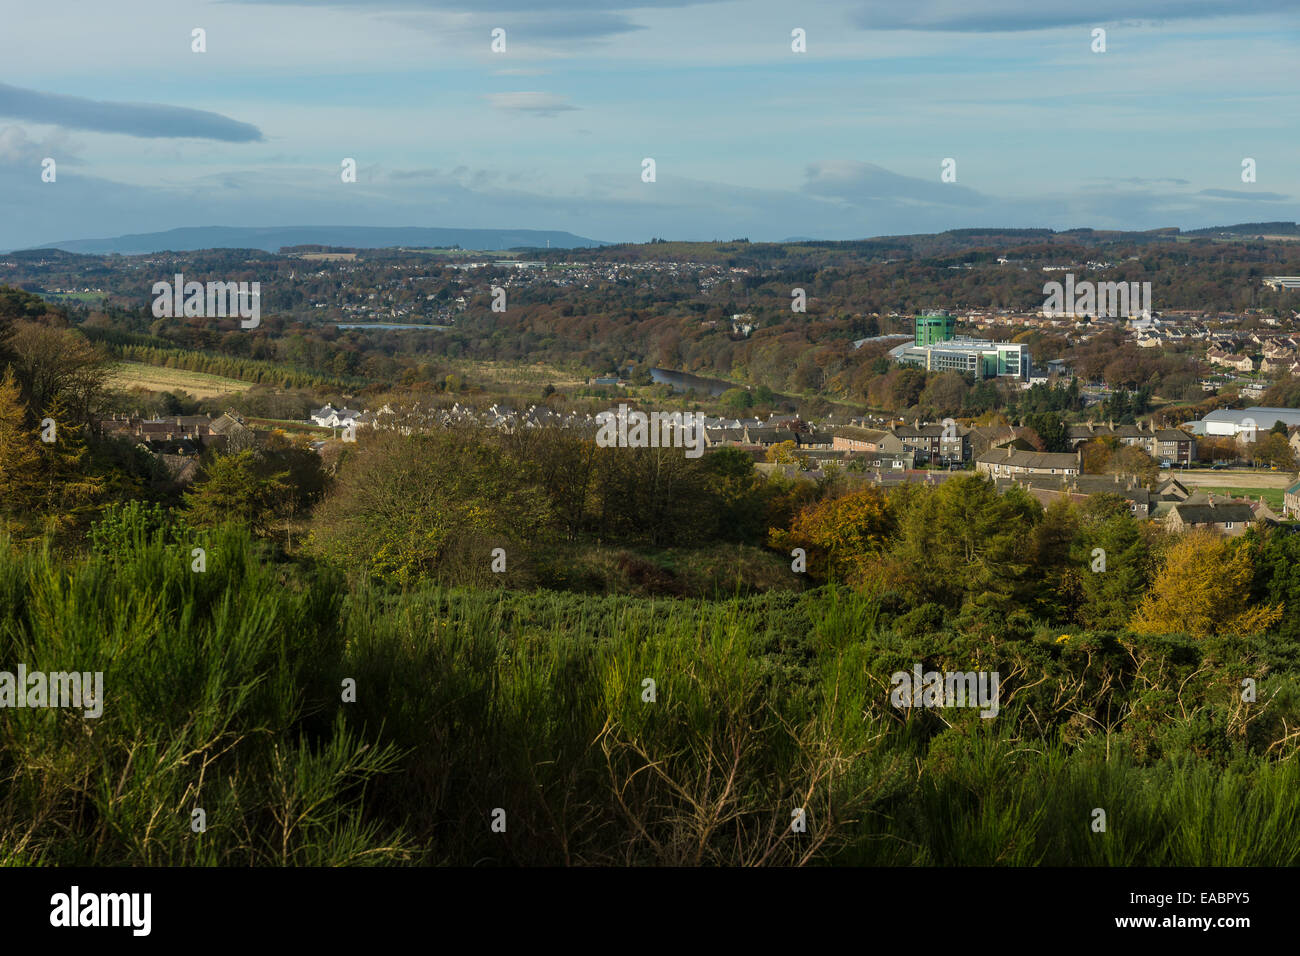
(1228, 525)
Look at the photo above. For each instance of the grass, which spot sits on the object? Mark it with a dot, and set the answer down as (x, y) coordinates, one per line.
(156, 378)
(1273, 496)
(83, 297)
(291, 427)
(515, 373)
(317, 726)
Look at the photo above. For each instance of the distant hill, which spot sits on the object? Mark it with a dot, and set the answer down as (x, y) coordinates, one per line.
(1249, 229)
(272, 238)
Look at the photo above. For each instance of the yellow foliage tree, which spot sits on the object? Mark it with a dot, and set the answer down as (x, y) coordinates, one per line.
(783, 453)
(1203, 589)
(841, 535)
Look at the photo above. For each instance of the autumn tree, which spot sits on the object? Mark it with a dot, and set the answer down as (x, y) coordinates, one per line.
(841, 536)
(1273, 449)
(1097, 453)
(406, 507)
(54, 364)
(1132, 460)
(783, 453)
(1203, 588)
(945, 394)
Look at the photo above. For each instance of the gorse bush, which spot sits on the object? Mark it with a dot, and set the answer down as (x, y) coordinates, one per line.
(216, 686)
(607, 729)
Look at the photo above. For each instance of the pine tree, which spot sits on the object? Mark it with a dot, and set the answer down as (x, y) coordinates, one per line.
(69, 487)
(19, 455)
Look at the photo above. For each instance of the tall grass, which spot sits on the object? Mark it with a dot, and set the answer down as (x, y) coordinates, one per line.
(225, 692)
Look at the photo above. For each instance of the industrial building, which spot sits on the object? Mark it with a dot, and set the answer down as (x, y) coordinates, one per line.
(1252, 421)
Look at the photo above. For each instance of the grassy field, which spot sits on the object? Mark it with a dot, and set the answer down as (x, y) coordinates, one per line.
(83, 297)
(1272, 495)
(158, 379)
(294, 428)
(1245, 478)
(516, 373)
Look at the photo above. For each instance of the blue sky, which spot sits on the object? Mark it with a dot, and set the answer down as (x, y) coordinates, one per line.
(749, 138)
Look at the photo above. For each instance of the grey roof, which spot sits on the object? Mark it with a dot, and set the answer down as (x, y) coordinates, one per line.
(1262, 416)
(857, 433)
(1216, 513)
(1171, 486)
(1028, 459)
(226, 423)
(1086, 485)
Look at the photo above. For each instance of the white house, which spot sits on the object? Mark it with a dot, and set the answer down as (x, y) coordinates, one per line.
(330, 417)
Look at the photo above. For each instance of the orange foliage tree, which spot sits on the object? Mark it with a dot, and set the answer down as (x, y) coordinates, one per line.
(842, 536)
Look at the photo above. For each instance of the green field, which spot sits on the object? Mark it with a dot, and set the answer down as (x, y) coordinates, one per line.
(1271, 495)
(83, 297)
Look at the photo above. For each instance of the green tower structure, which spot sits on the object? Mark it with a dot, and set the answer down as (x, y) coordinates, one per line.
(934, 327)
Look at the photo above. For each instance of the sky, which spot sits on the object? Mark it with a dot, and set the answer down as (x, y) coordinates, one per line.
(749, 138)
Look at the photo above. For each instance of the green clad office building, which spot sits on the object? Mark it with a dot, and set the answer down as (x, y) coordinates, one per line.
(934, 327)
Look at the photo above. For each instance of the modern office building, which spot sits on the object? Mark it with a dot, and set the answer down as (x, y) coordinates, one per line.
(936, 347)
(976, 357)
(934, 327)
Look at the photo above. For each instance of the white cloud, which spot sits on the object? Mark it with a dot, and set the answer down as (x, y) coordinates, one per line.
(543, 104)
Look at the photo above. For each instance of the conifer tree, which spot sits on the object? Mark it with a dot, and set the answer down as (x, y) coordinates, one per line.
(70, 488)
(19, 457)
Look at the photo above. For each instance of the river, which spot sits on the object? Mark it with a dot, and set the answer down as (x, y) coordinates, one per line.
(684, 382)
